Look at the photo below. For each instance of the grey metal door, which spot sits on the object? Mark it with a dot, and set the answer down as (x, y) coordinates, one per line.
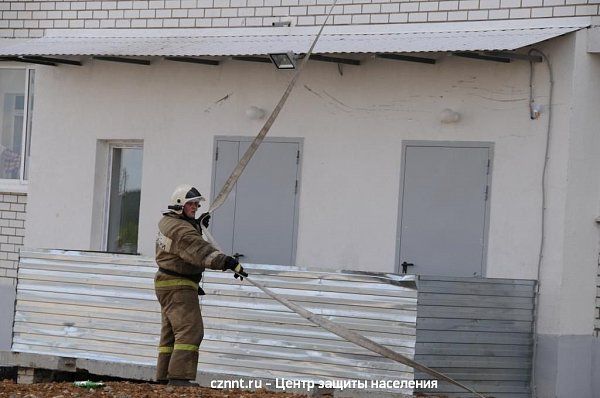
(259, 219)
(443, 211)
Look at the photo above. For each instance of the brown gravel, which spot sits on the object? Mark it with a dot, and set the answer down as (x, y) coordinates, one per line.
(123, 389)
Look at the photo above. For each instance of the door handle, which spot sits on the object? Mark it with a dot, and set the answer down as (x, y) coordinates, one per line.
(405, 266)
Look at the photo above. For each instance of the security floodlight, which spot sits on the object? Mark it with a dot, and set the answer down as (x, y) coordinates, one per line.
(284, 60)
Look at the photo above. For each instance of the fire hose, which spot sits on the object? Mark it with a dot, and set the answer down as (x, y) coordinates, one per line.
(321, 321)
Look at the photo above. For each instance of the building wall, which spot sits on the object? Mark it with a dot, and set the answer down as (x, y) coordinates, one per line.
(582, 234)
(31, 18)
(567, 350)
(571, 252)
(597, 313)
(353, 128)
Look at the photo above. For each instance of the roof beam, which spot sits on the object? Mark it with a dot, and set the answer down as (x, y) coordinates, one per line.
(517, 56)
(313, 57)
(253, 59)
(325, 58)
(482, 57)
(53, 60)
(124, 60)
(409, 58)
(26, 60)
(193, 60)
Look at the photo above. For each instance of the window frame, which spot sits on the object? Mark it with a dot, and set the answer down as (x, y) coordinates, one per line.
(20, 185)
(112, 145)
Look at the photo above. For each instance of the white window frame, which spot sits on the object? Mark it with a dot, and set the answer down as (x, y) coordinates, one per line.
(112, 145)
(20, 185)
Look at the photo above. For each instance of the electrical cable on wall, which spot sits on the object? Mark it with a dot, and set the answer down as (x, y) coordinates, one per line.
(534, 113)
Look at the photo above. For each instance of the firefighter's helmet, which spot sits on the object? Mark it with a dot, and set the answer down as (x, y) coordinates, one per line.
(183, 194)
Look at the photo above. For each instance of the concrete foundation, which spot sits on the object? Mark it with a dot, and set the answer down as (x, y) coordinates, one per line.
(7, 311)
(568, 366)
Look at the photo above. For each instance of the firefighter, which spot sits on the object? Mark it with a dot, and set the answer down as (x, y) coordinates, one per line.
(182, 254)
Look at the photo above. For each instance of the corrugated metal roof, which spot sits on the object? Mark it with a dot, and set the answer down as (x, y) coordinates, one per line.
(497, 35)
(103, 307)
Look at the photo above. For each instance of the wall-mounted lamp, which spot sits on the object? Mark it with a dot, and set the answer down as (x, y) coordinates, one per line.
(535, 110)
(255, 113)
(449, 116)
(284, 60)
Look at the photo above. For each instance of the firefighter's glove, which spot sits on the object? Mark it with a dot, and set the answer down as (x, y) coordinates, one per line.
(204, 219)
(234, 265)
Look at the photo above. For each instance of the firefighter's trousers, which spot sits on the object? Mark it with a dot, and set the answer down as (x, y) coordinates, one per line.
(181, 333)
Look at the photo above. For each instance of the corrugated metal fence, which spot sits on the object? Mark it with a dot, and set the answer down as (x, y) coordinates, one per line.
(101, 306)
(477, 331)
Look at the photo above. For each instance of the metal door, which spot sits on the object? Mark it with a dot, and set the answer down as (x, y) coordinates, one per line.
(444, 208)
(259, 219)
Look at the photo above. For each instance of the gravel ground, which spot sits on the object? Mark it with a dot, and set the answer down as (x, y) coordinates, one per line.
(123, 389)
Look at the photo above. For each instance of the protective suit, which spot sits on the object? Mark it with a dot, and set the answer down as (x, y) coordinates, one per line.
(182, 254)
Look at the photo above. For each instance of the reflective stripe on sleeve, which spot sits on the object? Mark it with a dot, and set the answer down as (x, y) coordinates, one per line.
(176, 282)
(165, 349)
(186, 347)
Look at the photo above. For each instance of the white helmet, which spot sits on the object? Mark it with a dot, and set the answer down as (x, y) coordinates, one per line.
(183, 194)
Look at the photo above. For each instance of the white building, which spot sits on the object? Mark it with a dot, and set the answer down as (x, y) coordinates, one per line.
(369, 165)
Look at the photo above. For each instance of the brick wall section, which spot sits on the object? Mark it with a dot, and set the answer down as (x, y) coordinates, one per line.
(29, 18)
(12, 231)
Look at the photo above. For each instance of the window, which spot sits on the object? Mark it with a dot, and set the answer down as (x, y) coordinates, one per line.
(16, 105)
(125, 185)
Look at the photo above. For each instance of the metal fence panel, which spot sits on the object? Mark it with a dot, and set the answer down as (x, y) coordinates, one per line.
(102, 307)
(477, 331)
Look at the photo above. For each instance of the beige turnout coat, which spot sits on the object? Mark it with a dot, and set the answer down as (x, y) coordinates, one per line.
(181, 248)
(182, 255)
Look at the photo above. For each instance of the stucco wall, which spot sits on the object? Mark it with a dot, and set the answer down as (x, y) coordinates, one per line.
(597, 312)
(571, 251)
(31, 18)
(582, 234)
(353, 126)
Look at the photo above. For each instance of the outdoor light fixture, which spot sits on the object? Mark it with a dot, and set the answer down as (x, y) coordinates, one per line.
(255, 113)
(284, 60)
(536, 110)
(449, 116)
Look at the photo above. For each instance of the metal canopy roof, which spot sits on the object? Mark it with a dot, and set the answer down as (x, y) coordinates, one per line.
(405, 38)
